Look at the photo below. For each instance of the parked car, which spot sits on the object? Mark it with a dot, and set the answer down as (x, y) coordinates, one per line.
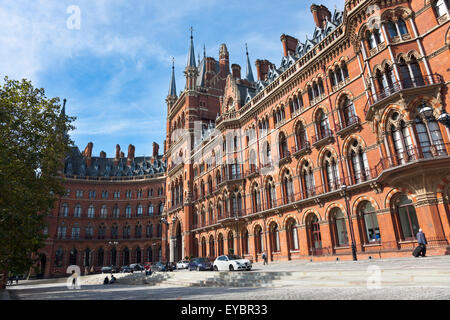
(182, 264)
(160, 266)
(125, 269)
(110, 269)
(107, 270)
(200, 264)
(231, 262)
(136, 267)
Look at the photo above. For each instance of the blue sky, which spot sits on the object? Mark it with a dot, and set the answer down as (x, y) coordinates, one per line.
(115, 69)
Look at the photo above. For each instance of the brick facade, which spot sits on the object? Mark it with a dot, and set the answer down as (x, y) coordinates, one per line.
(348, 109)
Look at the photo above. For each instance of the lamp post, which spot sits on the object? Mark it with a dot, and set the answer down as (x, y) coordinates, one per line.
(350, 222)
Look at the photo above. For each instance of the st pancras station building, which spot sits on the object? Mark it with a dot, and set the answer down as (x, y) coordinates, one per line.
(339, 149)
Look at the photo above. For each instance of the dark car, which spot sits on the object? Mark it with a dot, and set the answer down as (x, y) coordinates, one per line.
(110, 269)
(160, 266)
(200, 264)
(125, 269)
(136, 267)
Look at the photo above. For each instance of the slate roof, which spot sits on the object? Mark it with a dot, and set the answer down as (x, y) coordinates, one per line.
(76, 164)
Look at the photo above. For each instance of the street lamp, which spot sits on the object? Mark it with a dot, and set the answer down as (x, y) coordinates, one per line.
(444, 118)
(426, 111)
(350, 222)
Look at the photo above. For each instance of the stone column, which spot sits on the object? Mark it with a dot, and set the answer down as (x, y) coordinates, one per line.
(428, 216)
(172, 245)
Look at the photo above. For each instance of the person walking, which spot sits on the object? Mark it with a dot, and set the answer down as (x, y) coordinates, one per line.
(264, 256)
(422, 240)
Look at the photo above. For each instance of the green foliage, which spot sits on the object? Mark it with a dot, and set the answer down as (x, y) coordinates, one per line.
(33, 144)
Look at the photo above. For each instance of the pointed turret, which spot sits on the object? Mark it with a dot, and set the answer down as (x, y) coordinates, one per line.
(191, 71)
(249, 74)
(191, 54)
(173, 87)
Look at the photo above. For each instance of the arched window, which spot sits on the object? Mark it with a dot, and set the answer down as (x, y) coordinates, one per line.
(102, 231)
(161, 208)
(230, 243)
(203, 247)
(404, 74)
(212, 250)
(139, 210)
(288, 188)
(138, 255)
(150, 210)
(370, 222)
(259, 240)
(322, 125)
(256, 199)
(210, 185)
(274, 238)
(406, 214)
(126, 256)
(149, 254)
(91, 211)
(402, 26)
(73, 257)
(359, 166)
(220, 244)
(128, 211)
(149, 230)
(87, 257)
(338, 227)
(114, 232)
(401, 140)
(211, 219)
(59, 257)
(271, 193)
(138, 231)
(292, 236)
(348, 116)
(392, 29)
(300, 136)
(331, 172)
(126, 232)
(116, 211)
(100, 257)
(441, 7)
(245, 242)
(64, 210)
(267, 155)
(113, 257)
(429, 135)
(416, 72)
(104, 211)
(77, 212)
(307, 180)
(314, 236)
(283, 147)
(159, 230)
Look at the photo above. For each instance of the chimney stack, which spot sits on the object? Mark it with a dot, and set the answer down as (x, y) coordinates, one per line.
(236, 71)
(224, 63)
(117, 158)
(289, 44)
(155, 150)
(130, 156)
(88, 154)
(262, 68)
(102, 154)
(320, 14)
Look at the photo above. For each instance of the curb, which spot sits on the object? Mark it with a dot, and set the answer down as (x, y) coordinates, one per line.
(4, 294)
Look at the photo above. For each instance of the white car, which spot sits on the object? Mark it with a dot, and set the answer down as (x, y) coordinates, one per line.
(182, 264)
(231, 262)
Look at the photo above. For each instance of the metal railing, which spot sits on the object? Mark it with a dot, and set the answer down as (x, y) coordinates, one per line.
(399, 86)
(322, 135)
(303, 147)
(345, 123)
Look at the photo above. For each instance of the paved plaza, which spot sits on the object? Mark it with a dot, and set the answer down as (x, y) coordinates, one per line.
(397, 279)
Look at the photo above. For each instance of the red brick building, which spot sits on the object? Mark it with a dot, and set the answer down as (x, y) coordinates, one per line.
(111, 214)
(345, 142)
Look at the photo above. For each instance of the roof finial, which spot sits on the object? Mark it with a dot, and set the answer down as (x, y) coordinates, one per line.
(172, 87)
(191, 54)
(249, 74)
(204, 51)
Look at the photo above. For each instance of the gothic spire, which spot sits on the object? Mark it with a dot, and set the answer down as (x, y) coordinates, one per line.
(249, 74)
(173, 87)
(191, 55)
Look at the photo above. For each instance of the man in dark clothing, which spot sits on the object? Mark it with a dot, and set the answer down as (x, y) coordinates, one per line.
(422, 242)
(264, 256)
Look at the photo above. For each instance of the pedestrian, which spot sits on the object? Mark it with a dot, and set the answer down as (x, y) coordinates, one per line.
(422, 242)
(92, 269)
(17, 280)
(264, 256)
(86, 271)
(106, 280)
(74, 278)
(113, 279)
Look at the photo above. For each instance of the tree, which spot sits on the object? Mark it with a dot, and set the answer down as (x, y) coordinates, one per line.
(33, 144)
